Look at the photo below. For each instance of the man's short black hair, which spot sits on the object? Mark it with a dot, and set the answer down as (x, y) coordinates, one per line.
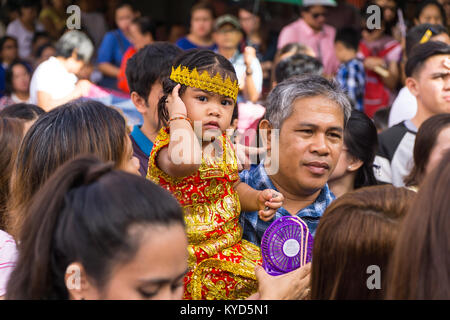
(422, 52)
(23, 111)
(349, 37)
(151, 63)
(297, 65)
(416, 34)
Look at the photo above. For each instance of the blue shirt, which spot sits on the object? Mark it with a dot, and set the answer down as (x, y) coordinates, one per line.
(113, 47)
(142, 146)
(254, 227)
(185, 44)
(351, 76)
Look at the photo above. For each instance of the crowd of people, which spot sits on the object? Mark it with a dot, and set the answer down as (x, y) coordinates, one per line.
(137, 167)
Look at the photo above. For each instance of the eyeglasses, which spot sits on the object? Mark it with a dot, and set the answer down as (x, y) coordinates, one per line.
(319, 14)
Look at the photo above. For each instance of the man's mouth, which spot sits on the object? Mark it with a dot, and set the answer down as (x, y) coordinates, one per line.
(317, 167)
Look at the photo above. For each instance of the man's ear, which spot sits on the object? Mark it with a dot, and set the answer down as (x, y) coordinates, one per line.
(77, 283)
(412, 86)
(265, 130)
(139, 102)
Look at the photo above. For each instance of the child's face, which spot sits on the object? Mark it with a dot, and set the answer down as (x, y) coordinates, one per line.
(212, 111)
(342, 52)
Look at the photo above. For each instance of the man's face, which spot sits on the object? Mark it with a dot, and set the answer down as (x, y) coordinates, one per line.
(315, 17)
(432, 85)
(310, 144)
(227, 37)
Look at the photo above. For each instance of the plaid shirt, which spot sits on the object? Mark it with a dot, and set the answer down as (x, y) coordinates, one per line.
(351, 76)
(254, 227)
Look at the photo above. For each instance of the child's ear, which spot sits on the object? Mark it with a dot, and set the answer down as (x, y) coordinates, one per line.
(139, 102)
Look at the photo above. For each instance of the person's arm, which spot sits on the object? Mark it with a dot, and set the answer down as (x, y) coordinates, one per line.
(183, 155)
(250, 90)
(266, 202)
(294, 285)
(389, 72)
(105, 56)
(46, 102)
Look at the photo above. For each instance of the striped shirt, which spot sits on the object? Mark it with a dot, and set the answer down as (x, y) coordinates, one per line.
(8, 256)
(254, 227)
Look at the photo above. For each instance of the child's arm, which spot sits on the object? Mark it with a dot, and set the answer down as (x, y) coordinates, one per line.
(184, 153)
(266, 202)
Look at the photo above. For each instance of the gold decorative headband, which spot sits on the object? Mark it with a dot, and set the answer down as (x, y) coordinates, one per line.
(204, 81)
(426, 36)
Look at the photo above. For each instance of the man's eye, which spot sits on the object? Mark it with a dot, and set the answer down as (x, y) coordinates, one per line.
(335, 135)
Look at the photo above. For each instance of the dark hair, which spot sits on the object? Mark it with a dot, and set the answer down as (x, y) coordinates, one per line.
(9, 75)
(84, 213)
(42, 47)
(11, 133)
(423, 4)
(416, 33)
(39, 34)
(420, 261)
(23, 111)
(297, 65)
(77, 127)
(361, 140)
(126, 3)
(421, 53)
(293, 46)
(202, 60)
(349, 37)
(145, 25)
(381, 118)
(150, 64)
(3, 41)
(203, 5)
(358, 230)
(424, 144)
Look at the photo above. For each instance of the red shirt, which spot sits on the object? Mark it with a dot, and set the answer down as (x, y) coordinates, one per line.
(122, 82)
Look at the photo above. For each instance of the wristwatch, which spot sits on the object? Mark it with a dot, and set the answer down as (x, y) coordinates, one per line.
(248, 71)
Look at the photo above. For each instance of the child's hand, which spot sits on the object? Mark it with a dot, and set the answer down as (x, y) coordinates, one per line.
(175, 106)
(269, 201)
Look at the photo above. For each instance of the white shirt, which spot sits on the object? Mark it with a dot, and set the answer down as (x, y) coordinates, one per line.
(403, 108)
(24, 37)
(8, 258)
(52, 77)
(239, 66)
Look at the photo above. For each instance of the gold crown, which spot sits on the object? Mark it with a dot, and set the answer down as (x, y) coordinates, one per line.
(204, 81)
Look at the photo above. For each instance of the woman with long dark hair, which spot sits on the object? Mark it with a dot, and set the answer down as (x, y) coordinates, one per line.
(93, 232)
(355, 166)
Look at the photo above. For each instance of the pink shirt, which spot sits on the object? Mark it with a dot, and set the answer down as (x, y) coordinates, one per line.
(321, 42)
(8, 256)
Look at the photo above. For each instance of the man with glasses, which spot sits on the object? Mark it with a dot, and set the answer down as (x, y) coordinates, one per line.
(312, 31)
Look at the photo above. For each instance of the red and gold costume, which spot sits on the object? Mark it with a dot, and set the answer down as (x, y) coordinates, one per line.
(221, 264)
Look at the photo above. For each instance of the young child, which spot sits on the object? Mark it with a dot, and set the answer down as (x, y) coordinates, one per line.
(193, 158)
(350, 75)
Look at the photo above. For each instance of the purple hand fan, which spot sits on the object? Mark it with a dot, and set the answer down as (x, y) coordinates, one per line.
(286, 245)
